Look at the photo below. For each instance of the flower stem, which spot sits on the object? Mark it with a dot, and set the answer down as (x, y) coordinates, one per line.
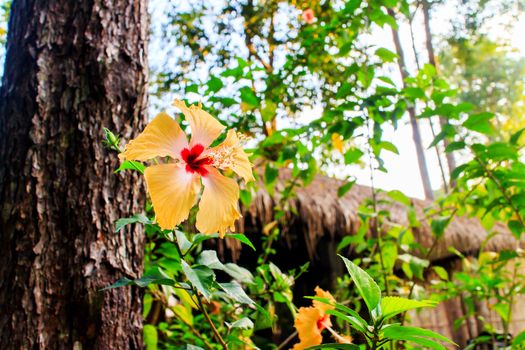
(209, 320)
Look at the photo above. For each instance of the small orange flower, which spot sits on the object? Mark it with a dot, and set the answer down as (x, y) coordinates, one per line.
(308, 16)
(174, 186)
(338, 142)
(311, 321)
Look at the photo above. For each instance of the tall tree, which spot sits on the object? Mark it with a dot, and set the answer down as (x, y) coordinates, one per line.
(72, 67)
(416, 133)
(451, 161)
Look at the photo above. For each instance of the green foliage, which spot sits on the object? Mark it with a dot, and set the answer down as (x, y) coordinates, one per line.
(268, 86)
(377, 332)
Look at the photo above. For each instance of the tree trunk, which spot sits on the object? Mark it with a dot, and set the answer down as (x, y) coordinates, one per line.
(72, 67)
(416, 133)
(451, 161)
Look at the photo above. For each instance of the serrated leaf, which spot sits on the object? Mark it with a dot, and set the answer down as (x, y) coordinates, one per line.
(235, 291)
(238, 273)
(209, 259)
(243, 323)
(391, 306)
(366, 286)
(200, 277)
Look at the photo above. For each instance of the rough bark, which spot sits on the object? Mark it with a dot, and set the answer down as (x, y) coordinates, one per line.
(451, 161)
(72, 67)
(416, 133)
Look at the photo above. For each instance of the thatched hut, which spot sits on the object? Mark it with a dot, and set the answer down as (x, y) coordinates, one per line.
(317, 219)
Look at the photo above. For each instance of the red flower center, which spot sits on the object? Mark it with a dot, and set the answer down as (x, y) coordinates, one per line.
(194, 164)
(323, 322)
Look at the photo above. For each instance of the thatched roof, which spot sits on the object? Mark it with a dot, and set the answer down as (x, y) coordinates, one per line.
(318, 212)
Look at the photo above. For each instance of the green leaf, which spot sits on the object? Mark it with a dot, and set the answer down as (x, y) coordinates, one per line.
(455, 146)
(192, 347)
(182, 241)
(249, 97)
(516, 228)
(214, 84)
(353, 155)
(209, 259)
(441, 272)
(243, 323)
(402, 332)
(391, 306)
(201, 277)
(156, 276)
(480, 123)
(335, 346)
(519, 340)
(241, 238)
(386, 55)
(235, 291)
(350, 319)
(425, 342)
(238, 273)
(439, 224)
(137, 218)
(399, 196)
(270, 174)
(151, 338)
(192, 88)
(503, 310)
(514, 139)
(344, 90)
(268, 110)
(388, 146)
(343, 189)
(414, 92)
(366, 286)
(131, 165)
(457, 171)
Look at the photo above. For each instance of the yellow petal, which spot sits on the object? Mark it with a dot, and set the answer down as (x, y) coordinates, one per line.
(322, 307)
(306, 326)
(337, 142)
(173, 191)
(204, 128)
(230, 155)
(162, 137)
(219, 205)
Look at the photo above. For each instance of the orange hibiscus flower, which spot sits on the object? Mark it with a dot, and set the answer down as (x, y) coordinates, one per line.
(311, 321)
(175, 185)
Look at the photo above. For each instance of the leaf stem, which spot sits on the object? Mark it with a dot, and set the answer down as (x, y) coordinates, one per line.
(210, 322)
